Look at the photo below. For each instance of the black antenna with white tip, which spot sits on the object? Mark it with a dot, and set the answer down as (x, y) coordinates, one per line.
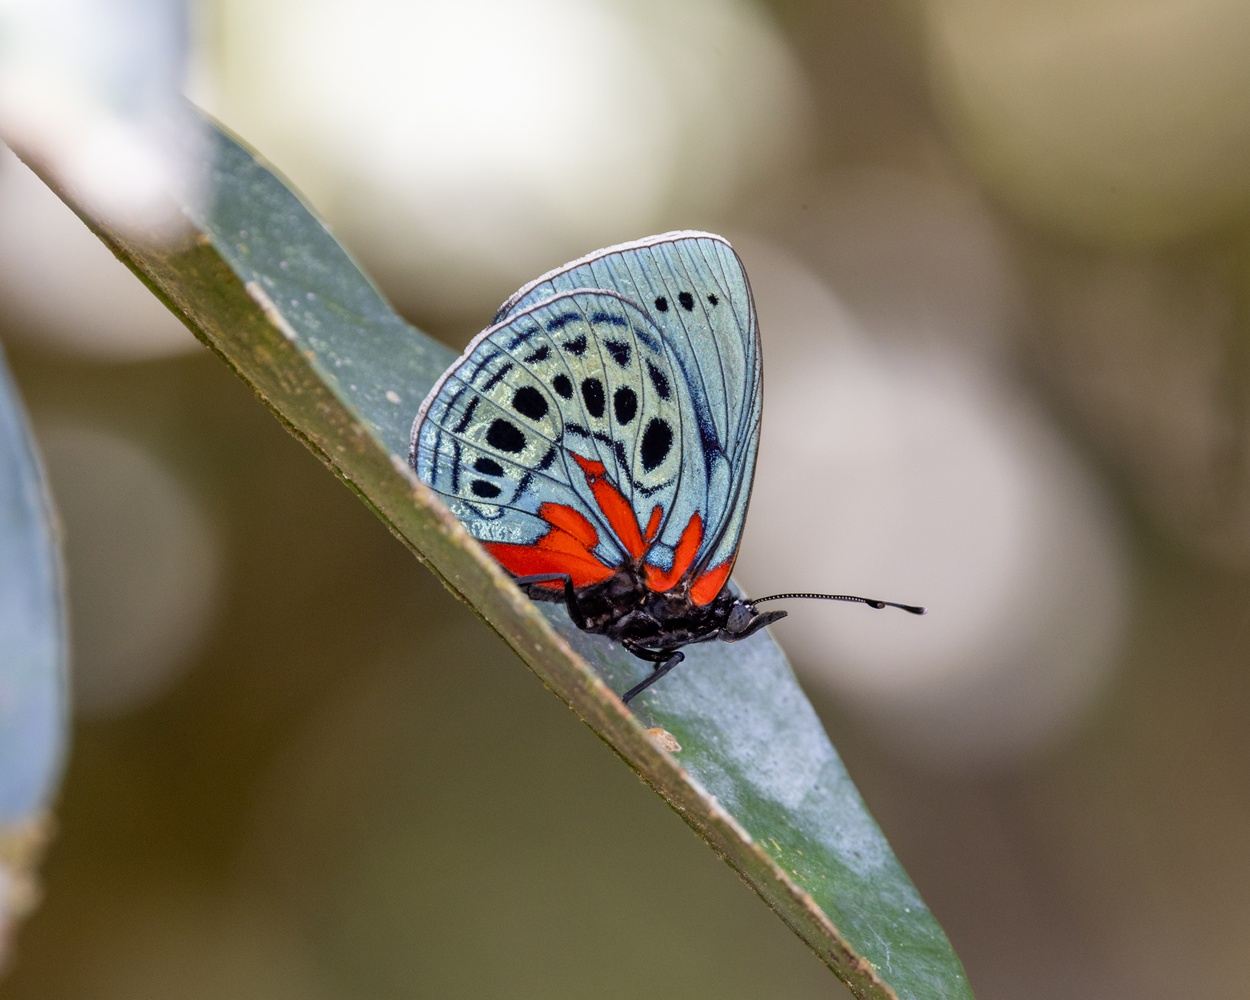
(872, 602)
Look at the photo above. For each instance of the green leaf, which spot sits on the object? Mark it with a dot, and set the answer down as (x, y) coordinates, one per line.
(33, 697)
(268, 288)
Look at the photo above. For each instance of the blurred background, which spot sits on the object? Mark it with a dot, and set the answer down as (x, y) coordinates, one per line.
(1001, 254)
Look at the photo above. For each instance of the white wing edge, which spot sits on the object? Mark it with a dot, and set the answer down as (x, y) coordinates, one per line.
(647, 241)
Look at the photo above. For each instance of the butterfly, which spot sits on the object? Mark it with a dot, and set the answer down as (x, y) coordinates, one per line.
(599, 439)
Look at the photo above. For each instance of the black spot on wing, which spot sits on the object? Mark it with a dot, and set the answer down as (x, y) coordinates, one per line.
(620, 351)
(481, 488)
(686, 300)
(622, 462)
(487, 466)
(547, 460)
(657, 440)
(618, 449)
(660, 381)
(561, 321)
(611, 319)
(522, 337)
(709, 440)
(624, 404)
(466, 416)
(650, 491)
(542, 354)
(529, 402)
(592, 396)
(505, 435)
(712, 300)
(496, 378)
(645, 337)
(661, 304)
(576, 346)
(563, 386)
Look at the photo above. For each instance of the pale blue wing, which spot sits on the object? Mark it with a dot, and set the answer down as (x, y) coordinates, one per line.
(583, 372)
(693, 288)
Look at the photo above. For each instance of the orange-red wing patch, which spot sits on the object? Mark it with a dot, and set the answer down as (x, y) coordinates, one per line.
(653, 524)
(571, 520)
(566, 549)
(532, 560)
(687, 547)
(618, 510)
(707, 585)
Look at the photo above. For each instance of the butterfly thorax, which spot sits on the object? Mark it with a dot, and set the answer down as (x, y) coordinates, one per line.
(624, 608)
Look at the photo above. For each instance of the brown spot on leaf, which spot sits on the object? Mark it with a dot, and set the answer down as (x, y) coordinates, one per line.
(664, 739)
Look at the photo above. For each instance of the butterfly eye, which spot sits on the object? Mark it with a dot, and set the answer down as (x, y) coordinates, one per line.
(739, 617)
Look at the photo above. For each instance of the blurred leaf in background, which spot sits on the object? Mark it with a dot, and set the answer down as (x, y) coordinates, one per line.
(34, 710)
(91, 86)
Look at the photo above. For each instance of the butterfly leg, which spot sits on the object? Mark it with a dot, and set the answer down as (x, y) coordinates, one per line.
(664, 662)
(570, 594)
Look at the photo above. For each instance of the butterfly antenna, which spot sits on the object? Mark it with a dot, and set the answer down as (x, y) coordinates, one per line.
(872, 602)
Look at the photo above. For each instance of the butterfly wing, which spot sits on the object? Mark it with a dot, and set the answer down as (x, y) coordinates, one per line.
(562, 436)
(694, 289)
(610, 414)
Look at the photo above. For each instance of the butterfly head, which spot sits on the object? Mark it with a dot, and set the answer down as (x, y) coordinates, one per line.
(743, 620)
